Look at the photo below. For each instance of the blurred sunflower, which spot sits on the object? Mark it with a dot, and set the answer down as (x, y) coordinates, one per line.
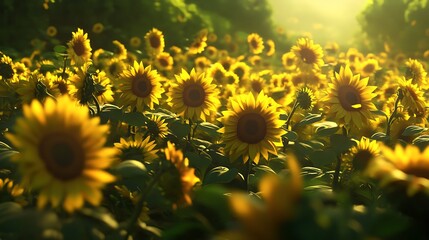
(413, 99)
(256, 43)
(182, 174)
(416, 72)
(362, 154)
(241, 69)
(79, 48)
(114, 67)
(62, 153)
(164, 61)
(135, 42)
(211, 52)
(289, 61)
(251, 127)
(60, 86)
(51, 31)
(217, 72)
(137, 148)
(7, 70)
(202, 63)
(10, 191)
(369, 67)
(97, 28)
(270, 47)
(402, 164)
(198, 45)
(350, 98)
(120, 50)
(21, 70)
(154, 41)
(140, 87)
(194, 96)
(36, 87)
(309, 55)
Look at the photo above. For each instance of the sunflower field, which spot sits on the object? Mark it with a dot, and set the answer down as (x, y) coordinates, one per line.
(185, 119)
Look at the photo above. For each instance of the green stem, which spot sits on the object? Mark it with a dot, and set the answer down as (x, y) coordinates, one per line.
(392, 116)
(97, 104)
(190, 131)
(64, 68)
(289, 118)
(335, 180)
(249, 168)
(140, 205)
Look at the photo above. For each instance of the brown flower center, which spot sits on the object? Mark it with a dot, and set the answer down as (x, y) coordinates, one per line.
(349, 98)
(63, 156)
(239, 71)
(163, 62)
(308, 56)
(254, 43)
(141, 86)
(419, 170)
(194, 95)
(154, 41)
(361, 159)
(369, 68)
(251, 128)
(79, 48)
(256, 86)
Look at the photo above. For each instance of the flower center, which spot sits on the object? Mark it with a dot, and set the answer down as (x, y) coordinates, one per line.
(349, 98)
(417, 170)
(194, 95)
(240, 72)
(141, 86)
(154, 41)
(6, 70)
(369, 68)
(251, 128)
(64, 157)
(256, 86)
(163, 62)
(361, 159)
(79, 48)
(308, 56)
(254, 43)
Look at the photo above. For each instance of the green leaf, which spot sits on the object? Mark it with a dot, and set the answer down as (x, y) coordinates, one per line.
(323, 158)
(60, 49)
(340, 143)
(130, 169)
(310, 118)
(326, 128)
(135, 119)
(380, 136)
(110, 112)
(413, 130)
(291, 136)
(220, 174)
(47, 68)
(379, 113)
(100, 214)
(179, 128)
(199, 161)
(209, 128)
(421, 141)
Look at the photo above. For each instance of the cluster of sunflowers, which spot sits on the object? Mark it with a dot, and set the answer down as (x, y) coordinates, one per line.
(205, 142)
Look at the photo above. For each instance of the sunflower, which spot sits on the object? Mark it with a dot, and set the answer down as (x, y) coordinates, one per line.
(202, 63)
(164, 61)
(51, 31)
(256, 43)
(251, 127)
(211, 52)
(350, 99)
(416, 72)
(59, 85)
(309, 55)
(369, 67)
(182, 174)
(362, 154)
(256, 84)
(62, 153)
(305, 98)
(193, 96)
(413, 99)
(137, 148)
(89, 84)
(7, 69)
(10, 191)
(114, 67)
(289, 61)
(79, 48)
(140, 87)
(270, 47)
(120, 50)
(22, 72)
(36, 87)
(97, 28)
(217, 72)
(198, 45)
(241, 69)
(154, 41)
(135, 42)
(157, 127)
(402, 164)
